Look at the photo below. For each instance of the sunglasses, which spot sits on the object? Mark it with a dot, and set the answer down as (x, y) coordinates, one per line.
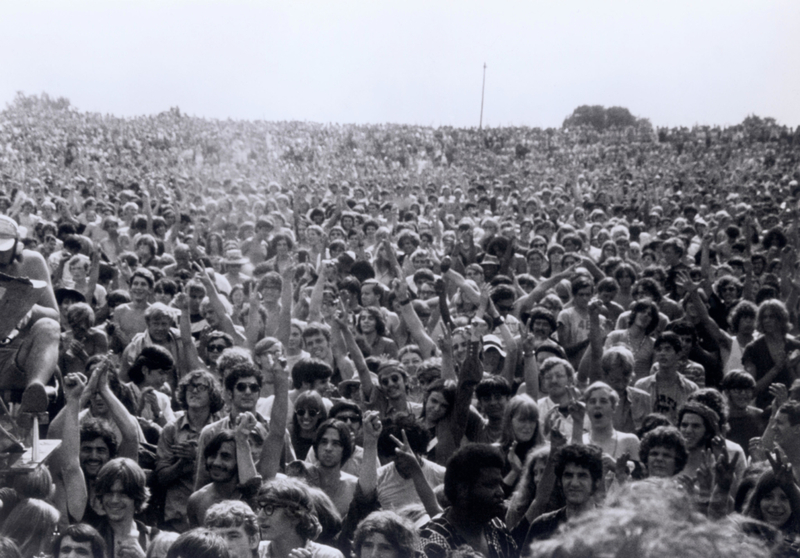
(216, 348)
(242, 387)
(302, 412)
(393, 379)
(200, 388)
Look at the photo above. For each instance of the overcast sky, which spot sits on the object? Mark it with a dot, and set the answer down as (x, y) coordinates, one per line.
(677, 62)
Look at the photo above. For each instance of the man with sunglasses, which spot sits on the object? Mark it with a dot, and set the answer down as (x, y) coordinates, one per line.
(242, 389)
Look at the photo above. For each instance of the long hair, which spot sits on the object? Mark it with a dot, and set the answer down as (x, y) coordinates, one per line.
(525, 491)
(767, 482)
(521, 405)
(31, 525)
(299, 504)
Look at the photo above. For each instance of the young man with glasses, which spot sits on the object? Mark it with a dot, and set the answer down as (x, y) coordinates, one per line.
(242, 388)
(199, 394)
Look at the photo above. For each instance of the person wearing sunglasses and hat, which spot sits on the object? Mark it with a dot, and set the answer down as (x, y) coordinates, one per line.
(29, 348)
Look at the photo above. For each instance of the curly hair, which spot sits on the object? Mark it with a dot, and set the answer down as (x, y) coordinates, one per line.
(216, 403)
(781, 314)
(232, 513)
(299, 503)
(94, 428)
(666, 437)
(399, 532)
(199, 543)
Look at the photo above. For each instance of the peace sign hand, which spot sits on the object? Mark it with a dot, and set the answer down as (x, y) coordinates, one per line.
(781, 466)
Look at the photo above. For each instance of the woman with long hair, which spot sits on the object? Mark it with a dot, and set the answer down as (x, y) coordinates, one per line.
(32, 525)
(521, 433)
(372, 338)
(309, 412)
(773, 357)
(776, 501)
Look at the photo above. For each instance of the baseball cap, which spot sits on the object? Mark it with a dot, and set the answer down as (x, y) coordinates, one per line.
(9, 233)
(493, 342)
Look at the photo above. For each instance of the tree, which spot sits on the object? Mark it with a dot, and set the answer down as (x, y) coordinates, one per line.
(601, 118)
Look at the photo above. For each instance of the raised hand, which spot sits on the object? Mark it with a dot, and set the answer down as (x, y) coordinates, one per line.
(781, 466)
(725, 470)
(756, 448)
(372, 426)
(445, 341)
(780, 393)
(181, 302)
(405, 458)
(74, 384)
(245, 424)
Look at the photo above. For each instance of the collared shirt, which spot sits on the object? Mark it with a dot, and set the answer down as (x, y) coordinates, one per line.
(178, 492)
(439, 537)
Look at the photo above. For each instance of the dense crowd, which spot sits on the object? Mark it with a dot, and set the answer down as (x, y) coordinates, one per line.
(293, 340)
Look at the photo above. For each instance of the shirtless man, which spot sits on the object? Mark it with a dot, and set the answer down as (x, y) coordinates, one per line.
(129, 318)
(29, 350)
(229, 464)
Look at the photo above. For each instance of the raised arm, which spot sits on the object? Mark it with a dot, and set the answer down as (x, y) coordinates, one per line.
(71, 491)
(193, 361)
(246, 423)
(225, 321)
(414, 325)
(368, 474)
(531, 365)
(342, 329)
(269, 463)
(127, 424)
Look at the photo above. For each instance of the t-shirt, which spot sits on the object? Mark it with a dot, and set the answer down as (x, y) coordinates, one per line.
(394, 491)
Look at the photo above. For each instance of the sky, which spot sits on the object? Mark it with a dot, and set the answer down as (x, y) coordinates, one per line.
(678, 63)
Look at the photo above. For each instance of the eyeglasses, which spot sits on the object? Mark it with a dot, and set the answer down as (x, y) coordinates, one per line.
(199, 388)
(393, 379)
(353, 419)
(216, 348)
(268, 507)
(302, 412)
(242, 387)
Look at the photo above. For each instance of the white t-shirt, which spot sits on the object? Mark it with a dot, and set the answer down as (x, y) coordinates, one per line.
(394, 491)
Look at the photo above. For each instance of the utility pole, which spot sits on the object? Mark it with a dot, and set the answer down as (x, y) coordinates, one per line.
(483, 88)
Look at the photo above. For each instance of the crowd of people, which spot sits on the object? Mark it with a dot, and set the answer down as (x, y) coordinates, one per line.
(288, 340)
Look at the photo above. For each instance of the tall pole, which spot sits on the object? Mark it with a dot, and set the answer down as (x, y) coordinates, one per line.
(483, 88)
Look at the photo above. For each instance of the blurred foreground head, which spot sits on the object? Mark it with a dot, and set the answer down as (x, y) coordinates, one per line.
(654, 518)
